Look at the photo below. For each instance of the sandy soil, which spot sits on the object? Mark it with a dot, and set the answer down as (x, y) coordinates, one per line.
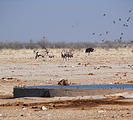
(19, 68)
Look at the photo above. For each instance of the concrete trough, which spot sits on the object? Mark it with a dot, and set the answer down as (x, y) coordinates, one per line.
(71, 91)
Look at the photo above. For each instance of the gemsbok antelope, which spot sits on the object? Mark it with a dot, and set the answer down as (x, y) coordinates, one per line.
(66, 54)
(44, 53)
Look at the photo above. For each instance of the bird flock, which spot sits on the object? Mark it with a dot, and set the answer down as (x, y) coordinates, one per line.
(123, 22)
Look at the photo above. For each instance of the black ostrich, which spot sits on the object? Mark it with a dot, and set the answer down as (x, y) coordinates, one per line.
(89, 50)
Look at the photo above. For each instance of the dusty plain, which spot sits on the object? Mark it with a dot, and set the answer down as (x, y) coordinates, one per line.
(19, 68)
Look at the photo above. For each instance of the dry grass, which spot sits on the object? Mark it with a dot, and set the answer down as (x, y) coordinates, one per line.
(19, 67)
(27, 55)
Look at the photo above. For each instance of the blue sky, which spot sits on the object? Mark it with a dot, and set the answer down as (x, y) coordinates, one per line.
(65, 20)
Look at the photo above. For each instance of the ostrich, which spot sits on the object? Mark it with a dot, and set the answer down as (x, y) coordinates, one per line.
(88, 50)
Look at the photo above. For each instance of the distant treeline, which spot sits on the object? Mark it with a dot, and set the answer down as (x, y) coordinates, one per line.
(77, 45)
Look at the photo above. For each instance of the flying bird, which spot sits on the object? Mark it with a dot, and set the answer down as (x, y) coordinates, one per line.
(103, 40)
(120, 38)
(121, 33)
(126, 25)
(119, 19)
(72, 26)
(100, 34)
(114, 22)
(128, 19)
(107, 32)
(130, 11)
(104, 14)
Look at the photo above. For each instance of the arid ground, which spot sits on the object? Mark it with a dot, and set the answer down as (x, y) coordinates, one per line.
(19, 68)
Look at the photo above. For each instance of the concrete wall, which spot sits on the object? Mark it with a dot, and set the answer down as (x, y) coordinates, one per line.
(30, 92)
(41, 92)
